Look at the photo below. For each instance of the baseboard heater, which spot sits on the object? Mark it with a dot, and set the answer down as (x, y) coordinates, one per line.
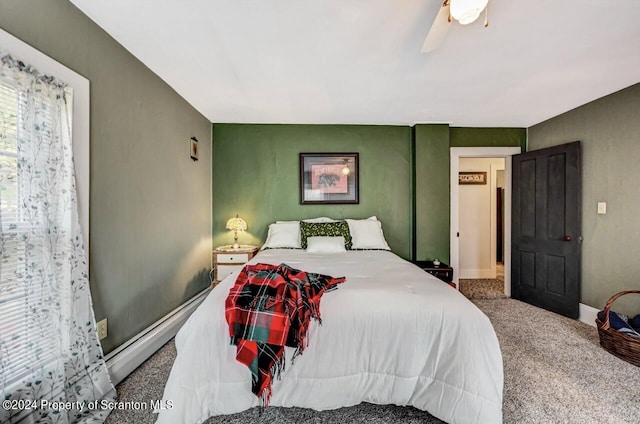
(123, 360)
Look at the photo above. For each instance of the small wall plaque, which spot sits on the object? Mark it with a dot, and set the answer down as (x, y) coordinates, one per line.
(472, 177)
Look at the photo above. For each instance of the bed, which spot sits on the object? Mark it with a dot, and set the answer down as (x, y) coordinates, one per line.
(391, 334)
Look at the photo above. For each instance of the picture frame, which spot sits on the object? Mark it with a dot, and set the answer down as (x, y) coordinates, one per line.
(194, 148)
(473, 177)
(329, 178)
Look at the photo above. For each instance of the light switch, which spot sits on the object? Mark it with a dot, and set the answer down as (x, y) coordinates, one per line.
(602, 208)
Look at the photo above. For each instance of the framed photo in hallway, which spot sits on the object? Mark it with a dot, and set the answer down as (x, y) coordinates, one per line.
(479, 177)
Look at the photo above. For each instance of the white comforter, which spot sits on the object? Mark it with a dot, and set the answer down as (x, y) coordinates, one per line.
(391, 334)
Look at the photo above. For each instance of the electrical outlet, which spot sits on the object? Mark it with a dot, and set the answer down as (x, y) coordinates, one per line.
(602, 208)
(102, 329)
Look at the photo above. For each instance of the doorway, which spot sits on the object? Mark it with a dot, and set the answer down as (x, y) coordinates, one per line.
(505, 154)
(478, 218)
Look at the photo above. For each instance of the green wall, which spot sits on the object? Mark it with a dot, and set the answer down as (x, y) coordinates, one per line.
(488, 137)
(608, 129)
(150, 212)
(432, 191)
(256, 175)
(432, 171)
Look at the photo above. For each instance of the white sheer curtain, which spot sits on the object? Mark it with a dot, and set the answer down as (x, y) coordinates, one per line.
(51, 363)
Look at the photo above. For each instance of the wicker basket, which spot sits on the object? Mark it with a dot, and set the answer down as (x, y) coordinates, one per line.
(619, 344)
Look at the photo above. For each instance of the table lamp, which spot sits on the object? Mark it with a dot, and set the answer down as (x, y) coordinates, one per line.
(236, 224)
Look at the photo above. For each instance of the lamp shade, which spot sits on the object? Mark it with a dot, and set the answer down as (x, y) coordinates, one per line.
(236, 224)
(467, 11)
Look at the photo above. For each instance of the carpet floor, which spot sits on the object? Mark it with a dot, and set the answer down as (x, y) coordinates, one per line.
(482, 288)
(485, 288)
(554, 372)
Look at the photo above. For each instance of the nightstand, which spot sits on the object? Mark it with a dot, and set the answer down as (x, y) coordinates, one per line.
(443, 271)
(227, 260)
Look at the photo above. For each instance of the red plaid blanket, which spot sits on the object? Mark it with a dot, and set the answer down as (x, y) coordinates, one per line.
(268, 308)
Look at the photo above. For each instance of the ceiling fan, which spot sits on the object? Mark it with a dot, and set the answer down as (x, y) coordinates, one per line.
(463, 11)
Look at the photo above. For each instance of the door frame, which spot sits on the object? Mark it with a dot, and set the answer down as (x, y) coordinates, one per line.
(480, 152)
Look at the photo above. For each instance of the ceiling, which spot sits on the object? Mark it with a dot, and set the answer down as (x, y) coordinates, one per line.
(359, 61)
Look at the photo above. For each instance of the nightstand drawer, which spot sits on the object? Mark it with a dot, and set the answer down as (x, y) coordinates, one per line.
(227, 260)
(233, 258)
(224, 270)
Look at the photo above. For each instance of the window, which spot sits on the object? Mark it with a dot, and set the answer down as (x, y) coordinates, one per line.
(81, 99)
(8, 151)
(49, 349)
(18, 296)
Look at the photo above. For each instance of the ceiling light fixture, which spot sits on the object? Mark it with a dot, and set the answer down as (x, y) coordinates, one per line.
(467, 11)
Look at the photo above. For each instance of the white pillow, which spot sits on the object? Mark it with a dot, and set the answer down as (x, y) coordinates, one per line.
(367, 234)
(323, 244)
(321, 219)
(284, 234)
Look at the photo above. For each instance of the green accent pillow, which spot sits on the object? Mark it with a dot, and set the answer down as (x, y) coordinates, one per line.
(326, 229)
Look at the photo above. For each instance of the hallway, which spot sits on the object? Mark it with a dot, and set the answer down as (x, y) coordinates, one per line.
(485, 288)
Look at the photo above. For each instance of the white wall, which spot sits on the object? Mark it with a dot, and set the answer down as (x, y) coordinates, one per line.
(500, 178)
(477, 220)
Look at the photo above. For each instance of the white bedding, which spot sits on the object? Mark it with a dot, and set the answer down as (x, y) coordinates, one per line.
(391, 334)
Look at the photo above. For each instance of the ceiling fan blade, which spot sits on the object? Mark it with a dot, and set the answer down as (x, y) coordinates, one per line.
(438, 30)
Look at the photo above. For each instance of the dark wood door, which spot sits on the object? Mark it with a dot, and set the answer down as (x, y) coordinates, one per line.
(546, 228)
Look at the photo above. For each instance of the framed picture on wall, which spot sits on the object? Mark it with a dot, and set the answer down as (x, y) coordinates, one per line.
(329, 178)
(194, 148)
(479, 177)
